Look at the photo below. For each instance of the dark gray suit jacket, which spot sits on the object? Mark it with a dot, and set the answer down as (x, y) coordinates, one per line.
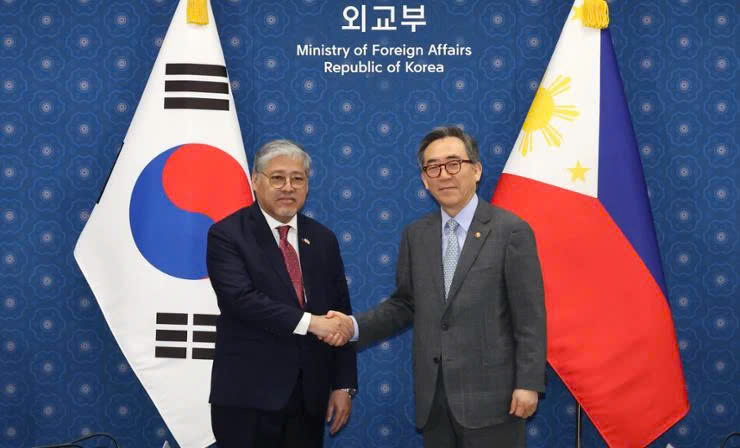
(489, 337)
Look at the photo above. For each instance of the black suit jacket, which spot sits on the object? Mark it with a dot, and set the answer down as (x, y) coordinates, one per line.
(258, 358)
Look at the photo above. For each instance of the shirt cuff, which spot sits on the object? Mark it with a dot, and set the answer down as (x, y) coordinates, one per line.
(356, 336)
(302, 327)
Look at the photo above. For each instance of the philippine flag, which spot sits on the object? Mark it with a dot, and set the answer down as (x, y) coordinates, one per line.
(182, 167)
(575, 175)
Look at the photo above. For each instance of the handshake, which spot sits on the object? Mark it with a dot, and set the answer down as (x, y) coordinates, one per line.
(334, 328)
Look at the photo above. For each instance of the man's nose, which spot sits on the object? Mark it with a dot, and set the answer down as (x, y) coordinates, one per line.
(288, 185)
(443, 172)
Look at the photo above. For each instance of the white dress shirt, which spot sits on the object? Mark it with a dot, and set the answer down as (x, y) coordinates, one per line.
(302, 327)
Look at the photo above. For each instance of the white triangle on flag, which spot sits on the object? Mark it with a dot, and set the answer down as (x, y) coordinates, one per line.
(561, 132)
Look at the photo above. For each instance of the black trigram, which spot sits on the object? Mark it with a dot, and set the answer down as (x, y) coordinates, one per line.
(196, 86)
(174, 337)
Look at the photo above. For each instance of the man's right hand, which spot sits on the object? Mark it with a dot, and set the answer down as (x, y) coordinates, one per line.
(331, 330)
(348, 328)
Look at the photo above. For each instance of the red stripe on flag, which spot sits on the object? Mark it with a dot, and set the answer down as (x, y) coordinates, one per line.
(610, 332)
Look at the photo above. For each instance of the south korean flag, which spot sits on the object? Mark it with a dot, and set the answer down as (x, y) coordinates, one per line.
(182, 167)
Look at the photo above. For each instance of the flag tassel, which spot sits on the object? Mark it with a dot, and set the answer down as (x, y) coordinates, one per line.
(596, 13)
(198, 12)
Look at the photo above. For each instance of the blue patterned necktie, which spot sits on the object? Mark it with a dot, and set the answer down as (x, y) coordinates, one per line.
(449, 261)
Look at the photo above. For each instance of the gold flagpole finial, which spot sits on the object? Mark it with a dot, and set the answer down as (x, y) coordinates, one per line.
(198, 12)
(595, 13)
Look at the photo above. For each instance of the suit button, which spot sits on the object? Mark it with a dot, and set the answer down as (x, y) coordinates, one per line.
(436, 359)
(445, 326)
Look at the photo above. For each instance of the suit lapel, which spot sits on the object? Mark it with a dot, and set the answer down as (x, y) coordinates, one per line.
(433, 255)
(477, 235)
(266, 241)
(307, 253)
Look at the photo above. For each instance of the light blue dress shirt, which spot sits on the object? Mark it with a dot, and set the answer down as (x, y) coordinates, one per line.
(464, 218)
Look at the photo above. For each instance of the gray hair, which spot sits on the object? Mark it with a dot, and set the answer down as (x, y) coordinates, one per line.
(276, 148)
(471, 147)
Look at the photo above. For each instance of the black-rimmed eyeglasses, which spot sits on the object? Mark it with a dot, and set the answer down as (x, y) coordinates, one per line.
(452, 167)
(278, 181)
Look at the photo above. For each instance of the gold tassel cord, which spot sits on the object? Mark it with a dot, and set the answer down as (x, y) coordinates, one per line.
(595, 13)
(198, 12)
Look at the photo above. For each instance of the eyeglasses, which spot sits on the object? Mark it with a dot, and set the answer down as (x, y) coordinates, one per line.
(452, 167)
(278, 181)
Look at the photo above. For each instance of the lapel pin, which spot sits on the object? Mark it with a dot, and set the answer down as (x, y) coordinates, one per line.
(477, 235)
(305, 240)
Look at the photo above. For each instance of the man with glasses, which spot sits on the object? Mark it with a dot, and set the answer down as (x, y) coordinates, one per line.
(276, 273)
(469, 281)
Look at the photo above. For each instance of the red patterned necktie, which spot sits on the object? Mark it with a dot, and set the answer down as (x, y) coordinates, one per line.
(291, 263)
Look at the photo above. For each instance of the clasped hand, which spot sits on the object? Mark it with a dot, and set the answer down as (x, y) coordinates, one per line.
(334, 328)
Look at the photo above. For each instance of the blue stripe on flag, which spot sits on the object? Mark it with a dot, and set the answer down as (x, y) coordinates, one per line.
(622, 189)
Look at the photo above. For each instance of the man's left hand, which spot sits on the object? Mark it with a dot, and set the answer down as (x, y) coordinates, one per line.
(523, 403)
(340, 406)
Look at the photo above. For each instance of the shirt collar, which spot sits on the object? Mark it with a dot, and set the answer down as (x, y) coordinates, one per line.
(274, 223)
(465, 216)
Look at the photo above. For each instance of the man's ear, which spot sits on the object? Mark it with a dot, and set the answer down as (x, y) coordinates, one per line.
(424, 180)
(479, 171)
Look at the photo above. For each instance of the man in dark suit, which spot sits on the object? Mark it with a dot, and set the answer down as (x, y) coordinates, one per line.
(276, 273)
(469, 280)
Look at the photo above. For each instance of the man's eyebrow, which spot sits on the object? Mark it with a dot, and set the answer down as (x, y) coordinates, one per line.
(289, 173)
(450, 157)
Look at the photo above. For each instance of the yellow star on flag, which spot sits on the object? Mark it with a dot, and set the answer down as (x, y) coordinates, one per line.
(578, 172)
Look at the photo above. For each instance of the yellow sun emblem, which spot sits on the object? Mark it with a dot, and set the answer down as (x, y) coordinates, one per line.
(543, 109)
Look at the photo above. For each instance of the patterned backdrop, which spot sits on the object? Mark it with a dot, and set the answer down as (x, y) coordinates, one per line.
(72, 72)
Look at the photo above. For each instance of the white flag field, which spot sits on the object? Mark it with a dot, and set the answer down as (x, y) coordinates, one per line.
(182, 167)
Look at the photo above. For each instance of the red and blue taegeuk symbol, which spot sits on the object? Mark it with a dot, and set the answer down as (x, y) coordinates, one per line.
(176, 198)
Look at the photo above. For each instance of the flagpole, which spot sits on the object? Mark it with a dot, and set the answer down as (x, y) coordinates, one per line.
(578, 426)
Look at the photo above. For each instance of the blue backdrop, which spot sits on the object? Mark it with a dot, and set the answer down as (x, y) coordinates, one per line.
(72, 71)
